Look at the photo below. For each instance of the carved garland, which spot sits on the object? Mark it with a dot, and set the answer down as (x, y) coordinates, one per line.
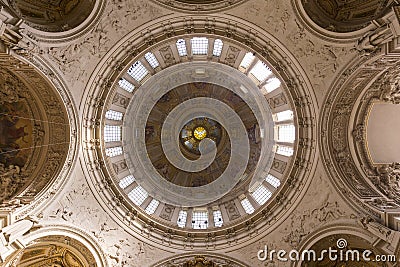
(237, 31)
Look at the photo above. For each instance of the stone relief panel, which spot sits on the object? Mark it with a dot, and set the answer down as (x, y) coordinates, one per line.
(232, 55)
(279, 165)
(167, 212)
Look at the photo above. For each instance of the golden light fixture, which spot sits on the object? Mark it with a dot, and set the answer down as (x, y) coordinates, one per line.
(200, 133)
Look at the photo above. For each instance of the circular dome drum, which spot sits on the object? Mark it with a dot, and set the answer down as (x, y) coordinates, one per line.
(210, 107)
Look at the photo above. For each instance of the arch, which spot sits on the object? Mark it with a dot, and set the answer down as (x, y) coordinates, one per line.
(58, 244)
(200, 260)
(52, 128)
(344, 144)
(53, 22)
(197, 6)
(330, 26)
(344, 235)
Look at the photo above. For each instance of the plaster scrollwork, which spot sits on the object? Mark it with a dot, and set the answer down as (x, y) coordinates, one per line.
(372, 79)
(55, 105)
(302, 224)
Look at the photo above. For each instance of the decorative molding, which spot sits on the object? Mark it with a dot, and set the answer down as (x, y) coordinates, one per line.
(200, 260)
(197, 6)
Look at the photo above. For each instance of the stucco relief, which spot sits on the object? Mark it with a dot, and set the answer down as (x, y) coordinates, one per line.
(324, 60)
(384, 176)
(77, 206)
(315, 211)
(75, 59)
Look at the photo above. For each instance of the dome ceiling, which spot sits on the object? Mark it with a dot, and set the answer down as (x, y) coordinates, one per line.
(34, 129)
(195, 130)
(345, 16)
(205, 140)
(53, 16)
(239, 115)
(118, 154)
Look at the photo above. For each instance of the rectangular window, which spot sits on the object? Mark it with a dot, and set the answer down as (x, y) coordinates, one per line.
(217, 47)
(138, 195)
(127, 86)
(181, 46)
(217, 218)
(112, 133)
(272, 84)
(247, 206)
(200, 219)
(247, 60)
(182, 216)
(126, 181)
(272, 180)
(137, 71)
(286, 133)
(151, 58)
(285, 150)
(151, 208)
(114, 151)
(284, 115)
(199, 45)
(260, 71)
(261, 194)
(114, 115)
